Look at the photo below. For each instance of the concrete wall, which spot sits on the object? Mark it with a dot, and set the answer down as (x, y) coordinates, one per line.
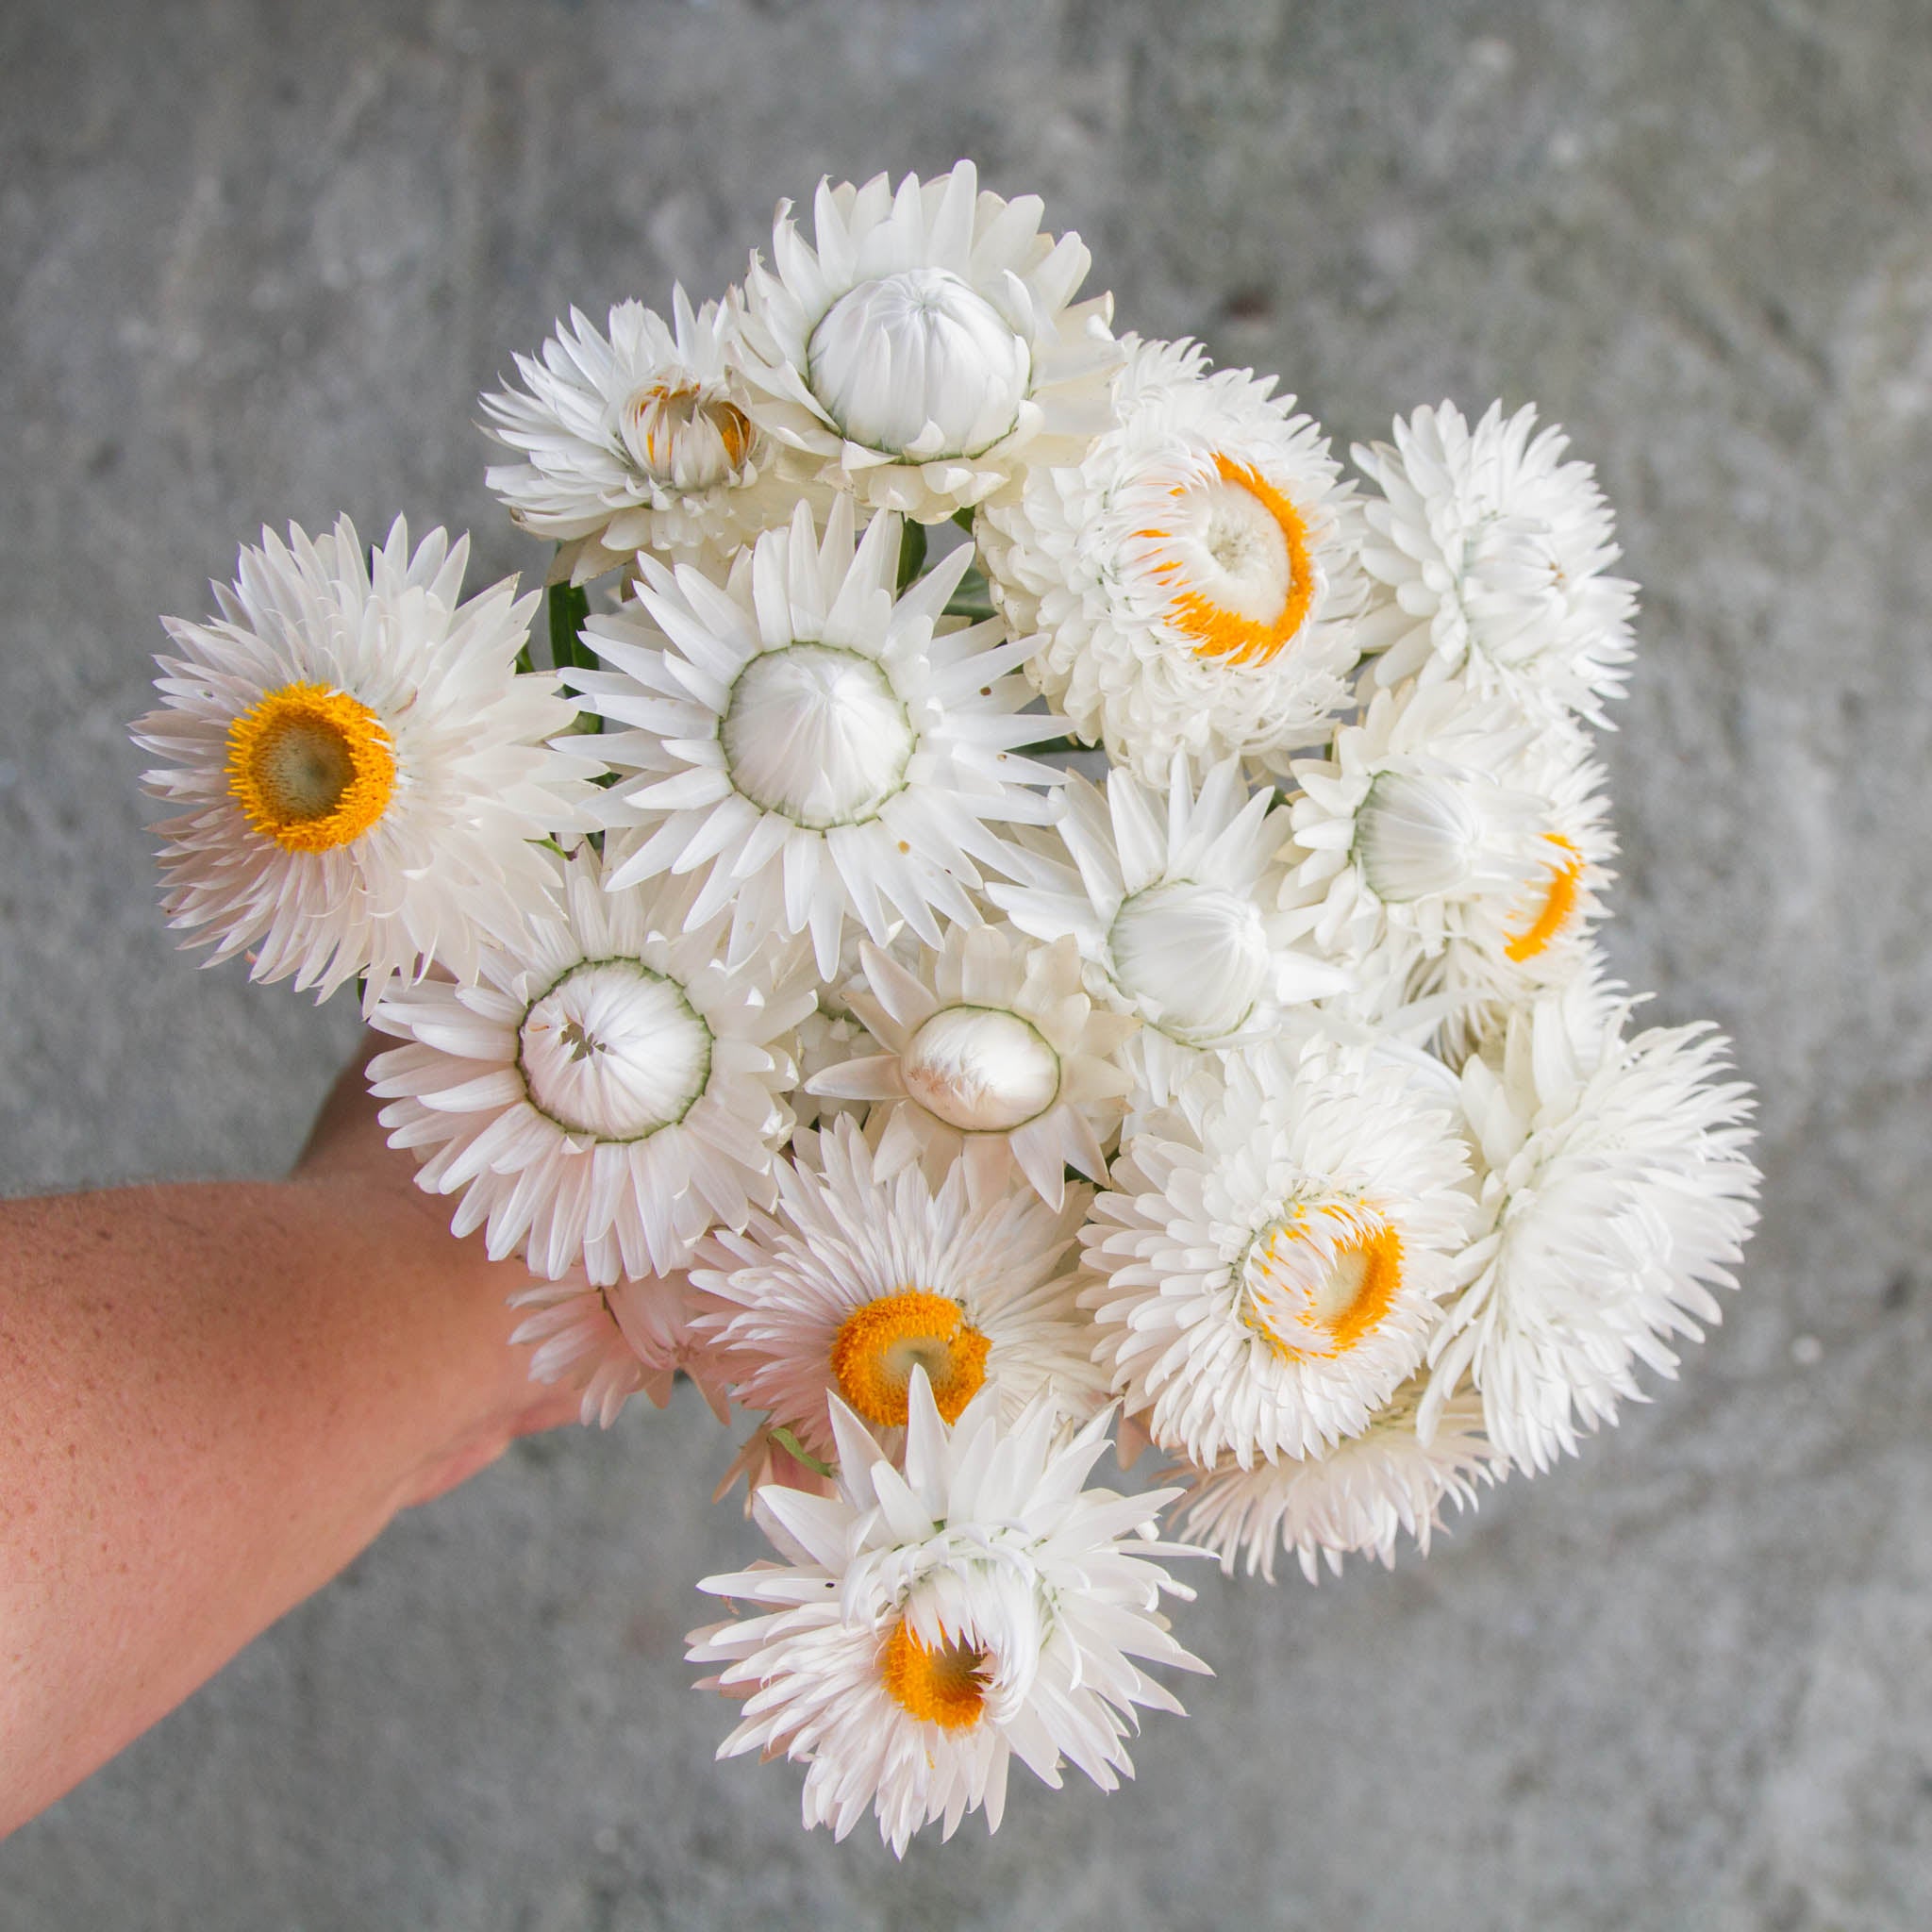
(259, 260)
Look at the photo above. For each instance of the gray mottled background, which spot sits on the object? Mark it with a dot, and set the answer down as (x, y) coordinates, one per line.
(256, 262)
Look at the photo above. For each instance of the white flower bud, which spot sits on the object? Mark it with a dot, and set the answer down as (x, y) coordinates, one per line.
(918, 363)
(1415, 838)
(980, 1069)
(1196, 955)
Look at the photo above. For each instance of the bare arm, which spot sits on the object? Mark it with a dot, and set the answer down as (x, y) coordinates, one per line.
(212, 1398)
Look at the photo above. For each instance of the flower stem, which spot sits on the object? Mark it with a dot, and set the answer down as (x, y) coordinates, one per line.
(911, 552)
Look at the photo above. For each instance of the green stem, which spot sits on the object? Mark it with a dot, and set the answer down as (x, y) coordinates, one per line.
(570, 606)
(911, 552)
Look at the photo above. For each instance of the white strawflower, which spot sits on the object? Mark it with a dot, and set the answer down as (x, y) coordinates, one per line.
(1171, 902)
(1493, 550)
(925, 343)
(1616, 1195)
(1353, 1498)
(808, 745)
(362, 769)
(1503, 949)
(637, 439)
(1267, 1276)
(625, 1338)
(1452, 828)
(929, 1627)
(993, 1056)
(1194, 579)
(609, 1089)
(860, 1277)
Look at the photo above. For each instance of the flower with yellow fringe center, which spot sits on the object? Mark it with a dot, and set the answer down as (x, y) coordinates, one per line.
(863, 1281)
(310, 768)
(1196, 582)
(945, 1612)
(1265, 1272)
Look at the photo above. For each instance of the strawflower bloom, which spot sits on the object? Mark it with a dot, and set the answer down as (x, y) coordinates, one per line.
(931, 1625)
(360, 766)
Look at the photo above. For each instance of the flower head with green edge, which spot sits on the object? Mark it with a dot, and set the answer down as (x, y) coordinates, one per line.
(1171, 902)
(637, 439)
(994, 1056)
(810, 747)
(1492, 552)
(607, 1091)
(1354, 1498)
(927, 1626)
(859, 1277)
(360, 767)
(925, 344)
(1266, 1271)
(1194, 579)
(1616, 1195)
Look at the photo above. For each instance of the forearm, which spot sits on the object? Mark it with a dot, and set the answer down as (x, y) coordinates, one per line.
(212, 1398)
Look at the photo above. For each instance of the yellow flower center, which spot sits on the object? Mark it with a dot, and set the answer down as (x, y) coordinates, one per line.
(1310, 1306)
(879, 1344)
(1554, 910)
(311, 768)
(1241, 571)
(942, 1687)
(683, 437)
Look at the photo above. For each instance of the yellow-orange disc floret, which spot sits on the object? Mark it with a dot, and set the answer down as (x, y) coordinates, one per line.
(1328, 1319)
(1237, 636)
(942, 1687)
(661, 411)
(878, 1345)
(310, 767)
(1557, 907)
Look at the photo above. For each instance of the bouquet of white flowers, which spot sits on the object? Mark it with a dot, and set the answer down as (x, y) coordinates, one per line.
(768, 976)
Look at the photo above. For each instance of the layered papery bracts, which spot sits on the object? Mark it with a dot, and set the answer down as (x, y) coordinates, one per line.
(362, 768)
(926, 345)
(1266, 1271)
(638, 439)
(1193, 581)
(1616, 1196)
(808, 746)
(607, 1091)
(943, 1613)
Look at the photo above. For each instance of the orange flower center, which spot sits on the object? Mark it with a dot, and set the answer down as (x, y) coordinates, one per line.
(1311, 1309)
(1554, 910)
(311, 768)
(878, 1345)
(942, 1687)
(1244, 589)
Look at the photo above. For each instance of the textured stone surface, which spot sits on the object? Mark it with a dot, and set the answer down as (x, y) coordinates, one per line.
(256, 263)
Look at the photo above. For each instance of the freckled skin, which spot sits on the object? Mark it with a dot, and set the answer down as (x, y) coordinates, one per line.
(212, 1397)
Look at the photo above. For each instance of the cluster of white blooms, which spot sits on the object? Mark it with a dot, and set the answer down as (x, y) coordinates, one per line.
(761, 977)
